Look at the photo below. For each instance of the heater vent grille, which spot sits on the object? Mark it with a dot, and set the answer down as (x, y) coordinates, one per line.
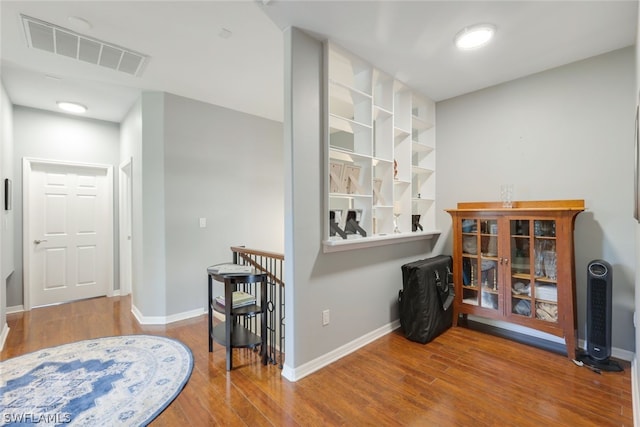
(598, 312)
(61, 41)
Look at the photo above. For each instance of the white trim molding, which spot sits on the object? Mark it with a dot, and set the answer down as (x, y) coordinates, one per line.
(3, 335)
(294, 374)
(15, 309)
(635, 392)
(163, 320)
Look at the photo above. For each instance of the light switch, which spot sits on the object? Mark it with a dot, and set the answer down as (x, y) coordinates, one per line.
(203, 222)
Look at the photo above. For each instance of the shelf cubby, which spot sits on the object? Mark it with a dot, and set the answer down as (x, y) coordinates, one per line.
(380, 156)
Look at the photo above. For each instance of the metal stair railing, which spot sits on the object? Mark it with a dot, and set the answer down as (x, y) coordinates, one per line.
(272, 264)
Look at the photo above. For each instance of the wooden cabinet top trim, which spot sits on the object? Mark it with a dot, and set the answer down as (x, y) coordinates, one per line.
(520, 206)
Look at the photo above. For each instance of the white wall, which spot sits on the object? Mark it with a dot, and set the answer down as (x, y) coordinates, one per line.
(149, 190)
(6, 217)
(359, 287)
(193, 160)
(565, 133)
(227, 167)
(636, 379)
(46, 135)
(8, 171)
(131, 150)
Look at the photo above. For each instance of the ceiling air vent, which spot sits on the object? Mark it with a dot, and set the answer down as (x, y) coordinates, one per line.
(62, 41)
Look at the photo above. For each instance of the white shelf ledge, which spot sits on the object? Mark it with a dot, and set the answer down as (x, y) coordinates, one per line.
(377, 240)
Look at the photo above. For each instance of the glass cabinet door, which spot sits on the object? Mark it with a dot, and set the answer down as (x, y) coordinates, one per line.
(480, 279)
(534, 292)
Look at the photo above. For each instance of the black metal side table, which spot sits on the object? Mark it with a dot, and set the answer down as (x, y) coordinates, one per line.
(230, 333)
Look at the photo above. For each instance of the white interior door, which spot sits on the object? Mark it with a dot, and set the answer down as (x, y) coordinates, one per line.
(125, 228)
(68, 229)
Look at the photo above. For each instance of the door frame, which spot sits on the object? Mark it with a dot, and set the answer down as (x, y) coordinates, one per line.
(125, 207)
(27, 163)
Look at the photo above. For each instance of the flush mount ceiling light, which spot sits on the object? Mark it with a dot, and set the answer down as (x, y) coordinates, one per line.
(79, 23)
(72, 107)
(474, 36)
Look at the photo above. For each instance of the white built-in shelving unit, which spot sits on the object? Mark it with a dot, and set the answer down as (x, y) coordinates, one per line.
(380, 151)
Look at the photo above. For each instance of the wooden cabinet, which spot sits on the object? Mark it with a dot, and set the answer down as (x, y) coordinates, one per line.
(517, 264)
(380, 151)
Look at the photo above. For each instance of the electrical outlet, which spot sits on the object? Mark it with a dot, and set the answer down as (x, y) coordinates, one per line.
(203, 222)
(325, 317)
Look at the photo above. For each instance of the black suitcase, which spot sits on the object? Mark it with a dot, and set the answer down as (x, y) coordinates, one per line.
(426, 298)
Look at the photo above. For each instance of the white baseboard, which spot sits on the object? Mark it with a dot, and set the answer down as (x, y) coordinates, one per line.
(163, 320)
(635, 396)
(15, 309)
(617, 353)
(294, 374)
(3, 335)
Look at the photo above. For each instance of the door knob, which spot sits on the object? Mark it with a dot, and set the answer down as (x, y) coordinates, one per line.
(37, 242)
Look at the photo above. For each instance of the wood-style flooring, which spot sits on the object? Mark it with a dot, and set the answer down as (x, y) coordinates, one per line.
(462, 378)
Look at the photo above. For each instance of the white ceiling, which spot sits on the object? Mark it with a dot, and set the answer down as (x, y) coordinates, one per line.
(411, 40)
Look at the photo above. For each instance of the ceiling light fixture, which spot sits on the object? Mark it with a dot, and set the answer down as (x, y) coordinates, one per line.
(474, 36)
(79, 23)
(72, 107)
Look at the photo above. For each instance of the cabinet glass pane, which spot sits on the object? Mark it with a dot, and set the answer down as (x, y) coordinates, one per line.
(481, 283)
(520, 267)
(489, 264)
(545, 289)
(534, 290)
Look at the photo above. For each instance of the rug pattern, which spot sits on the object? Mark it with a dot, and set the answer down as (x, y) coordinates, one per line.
(124, 380)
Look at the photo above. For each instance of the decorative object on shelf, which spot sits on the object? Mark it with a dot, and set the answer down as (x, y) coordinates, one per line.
(353, 223)
(334, 219)
(377, 196)
(493, 228)
(470, 245)
(415, 223)
(550, 267)
(395, 169)
(539, 258)
(397, 211)
(335, 177)
(506, 195)
(374, 221)
(350, 179)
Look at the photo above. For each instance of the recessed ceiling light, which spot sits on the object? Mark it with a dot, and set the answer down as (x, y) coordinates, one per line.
(72, 107)
(475, 36)
(79, 23)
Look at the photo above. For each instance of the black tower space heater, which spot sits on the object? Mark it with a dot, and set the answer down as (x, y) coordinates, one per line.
(599, 286)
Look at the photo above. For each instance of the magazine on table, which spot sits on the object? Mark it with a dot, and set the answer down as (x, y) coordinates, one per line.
(231, 268)
(240, 299)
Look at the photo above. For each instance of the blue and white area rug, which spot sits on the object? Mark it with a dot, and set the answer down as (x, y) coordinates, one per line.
(115, 381)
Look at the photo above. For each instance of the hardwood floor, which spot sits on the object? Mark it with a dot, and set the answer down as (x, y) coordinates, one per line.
(462, 378)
